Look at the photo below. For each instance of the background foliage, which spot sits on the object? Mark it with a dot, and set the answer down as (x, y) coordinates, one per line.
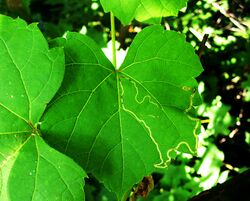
(224, 149)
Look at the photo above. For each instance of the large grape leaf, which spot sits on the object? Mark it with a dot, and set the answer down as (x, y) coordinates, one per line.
(142, 10)
(30, 75)
(121, 124)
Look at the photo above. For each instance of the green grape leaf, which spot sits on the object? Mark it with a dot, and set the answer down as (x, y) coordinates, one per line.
(121, 124)
(31, 170)
(143, 10)
(30, 75)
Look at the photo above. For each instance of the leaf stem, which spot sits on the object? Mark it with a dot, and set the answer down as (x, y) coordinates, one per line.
(124, 198)
(112, 22)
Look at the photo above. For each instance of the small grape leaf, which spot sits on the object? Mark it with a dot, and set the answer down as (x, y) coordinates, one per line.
(143, 10)
(121, 124)
(31, 170)
(30, 75)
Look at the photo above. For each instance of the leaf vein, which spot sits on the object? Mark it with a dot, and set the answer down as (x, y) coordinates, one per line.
(20, 74)
(96, 137)
(79, 114)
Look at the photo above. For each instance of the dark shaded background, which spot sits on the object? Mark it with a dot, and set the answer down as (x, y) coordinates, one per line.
(225, 83)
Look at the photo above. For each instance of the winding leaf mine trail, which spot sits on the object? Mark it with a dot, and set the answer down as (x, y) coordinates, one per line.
(118, 116)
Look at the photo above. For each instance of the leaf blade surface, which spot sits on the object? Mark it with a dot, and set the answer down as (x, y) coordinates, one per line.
(38, 172)
(120, 124)
(143, 10)
(30, 72)
(30, 75)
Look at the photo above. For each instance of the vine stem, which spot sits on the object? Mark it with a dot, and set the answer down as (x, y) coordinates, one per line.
(112, 22)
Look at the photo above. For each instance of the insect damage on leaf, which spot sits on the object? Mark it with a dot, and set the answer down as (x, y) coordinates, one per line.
(138, 113)
(143, 188)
